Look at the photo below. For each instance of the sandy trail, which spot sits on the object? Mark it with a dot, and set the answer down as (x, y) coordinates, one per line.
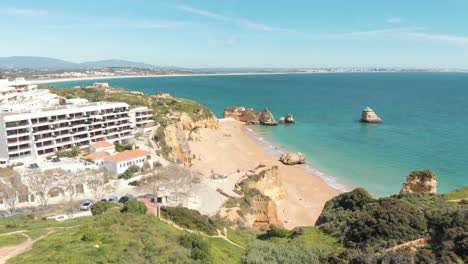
(229, 148)
(10, 252)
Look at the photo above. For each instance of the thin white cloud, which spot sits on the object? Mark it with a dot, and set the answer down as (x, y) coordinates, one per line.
(394, 20)
(22, 12)
(240, 21)
(376, 32)
(202, 12)
(261, 27)
(440, 37)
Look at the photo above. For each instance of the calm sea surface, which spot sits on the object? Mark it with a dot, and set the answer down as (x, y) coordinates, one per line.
(425, 120)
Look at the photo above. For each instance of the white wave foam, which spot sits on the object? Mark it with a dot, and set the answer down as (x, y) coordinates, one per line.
(277, 150)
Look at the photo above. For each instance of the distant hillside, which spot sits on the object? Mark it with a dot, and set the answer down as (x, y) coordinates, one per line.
(31, 62)
(23, 62)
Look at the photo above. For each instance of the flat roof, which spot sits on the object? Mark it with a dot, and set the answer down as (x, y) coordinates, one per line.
(96, 155)
(102, 144)
(127, 155)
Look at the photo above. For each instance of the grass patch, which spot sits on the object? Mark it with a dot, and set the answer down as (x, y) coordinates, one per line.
(11, 240)
(190, 219)
(224, 252)
(461, 193)
(240, 237)
(314, 238)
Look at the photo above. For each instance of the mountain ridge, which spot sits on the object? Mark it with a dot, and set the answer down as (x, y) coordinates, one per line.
(36, 62)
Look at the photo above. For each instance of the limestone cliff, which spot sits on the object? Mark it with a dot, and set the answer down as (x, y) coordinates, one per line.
(175, 145)
(188, 123)
(424, 181)
(257, 209)
(196, 134)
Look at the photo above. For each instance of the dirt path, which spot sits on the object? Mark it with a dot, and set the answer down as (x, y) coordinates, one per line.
(10, 252)
(220, 235)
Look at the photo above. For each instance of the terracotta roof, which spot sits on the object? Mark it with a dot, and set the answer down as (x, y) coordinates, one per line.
(102, 144)
(127, 155)
(96, 155)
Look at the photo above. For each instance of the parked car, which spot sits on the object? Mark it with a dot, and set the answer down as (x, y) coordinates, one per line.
(113, 199)
(86, 205)
(123, 199)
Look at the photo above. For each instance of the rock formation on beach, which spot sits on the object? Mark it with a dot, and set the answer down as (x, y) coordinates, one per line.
(250, 116)
(423, 181)
(292, 158)
(267, 118)
(369, 116)
(196, 134)
(234, 112)
(289, 119)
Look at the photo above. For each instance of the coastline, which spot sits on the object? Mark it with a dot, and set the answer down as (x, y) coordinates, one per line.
(90, 78)
(305, 192)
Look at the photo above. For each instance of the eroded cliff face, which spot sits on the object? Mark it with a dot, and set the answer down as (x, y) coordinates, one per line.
(269, 183)
(176, 136)
(188, 123)
(176, 143)
(419, 185)
(261, 191)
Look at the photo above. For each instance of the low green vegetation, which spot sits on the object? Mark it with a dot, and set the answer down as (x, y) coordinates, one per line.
(134, 207)
(458, 194)
(11, 240)
(116, 237)
(101, 207)
(73, 152)
(190, 219)
(128, 173)
(366, 225)
(121, 147)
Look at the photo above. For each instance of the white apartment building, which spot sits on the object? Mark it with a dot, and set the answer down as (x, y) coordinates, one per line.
(32, 129)
(26, 136)
(142, 118)
(19, 95)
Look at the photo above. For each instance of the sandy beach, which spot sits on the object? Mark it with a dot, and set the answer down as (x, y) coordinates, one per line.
(87, 78)
(230, 147)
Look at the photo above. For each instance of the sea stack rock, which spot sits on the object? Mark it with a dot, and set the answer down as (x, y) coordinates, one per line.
(234, 112)
(293, 158)
(196, 134)
(423, 181)
(250, 116)
(282, 120)
(289, 119)
(267, 118)
(369, 116)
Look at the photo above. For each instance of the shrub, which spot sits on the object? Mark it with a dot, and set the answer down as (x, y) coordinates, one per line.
(101, 207)
(200, 250)
(121, 147)
(134, 207)
(275, 231)
(128, 173)
(190, 219)
(90, 235)
(73, 152)
(281, 253)
(422, 175)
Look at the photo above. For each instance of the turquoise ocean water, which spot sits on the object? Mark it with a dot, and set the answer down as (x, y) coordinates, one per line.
(425, 120)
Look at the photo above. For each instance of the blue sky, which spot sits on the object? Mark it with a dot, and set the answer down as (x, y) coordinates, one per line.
(235, 33)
